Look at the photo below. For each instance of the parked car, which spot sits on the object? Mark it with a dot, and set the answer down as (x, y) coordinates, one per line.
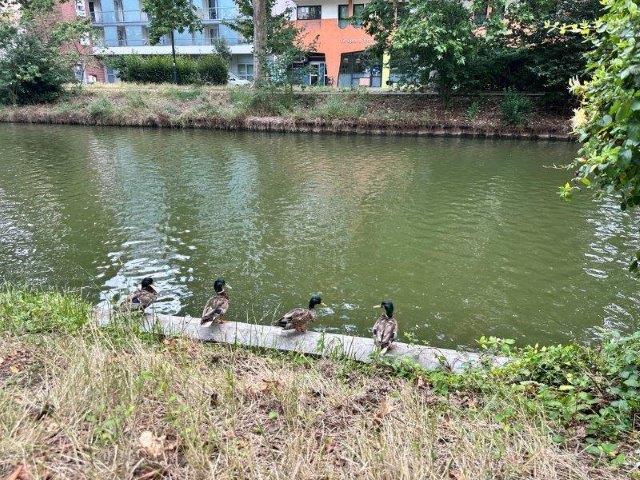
(234, 81)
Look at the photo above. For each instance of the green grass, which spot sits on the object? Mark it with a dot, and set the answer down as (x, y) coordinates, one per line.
(183, 94)
(30, 311)
(338, 107)
(136, 401)
(101, 108)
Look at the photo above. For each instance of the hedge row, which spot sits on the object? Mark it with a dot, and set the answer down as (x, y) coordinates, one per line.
(204, 69)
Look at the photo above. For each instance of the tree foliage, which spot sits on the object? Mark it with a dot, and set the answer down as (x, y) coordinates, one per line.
(551, 58)
(608, 121)
(167, 16)
(36, 51)
(422, 37)
(284, 42)
(488, 45)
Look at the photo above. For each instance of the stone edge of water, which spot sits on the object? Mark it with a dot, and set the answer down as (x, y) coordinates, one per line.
(310, 343)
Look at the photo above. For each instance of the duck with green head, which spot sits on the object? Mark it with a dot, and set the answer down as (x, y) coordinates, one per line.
(217, 305)
(385, 330)
(299, 318)
(141, 298)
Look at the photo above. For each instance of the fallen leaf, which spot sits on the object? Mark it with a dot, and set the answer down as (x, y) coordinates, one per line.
(384, 409)
(214, 399)
(13, 369)
(150, 444)
(19, 473)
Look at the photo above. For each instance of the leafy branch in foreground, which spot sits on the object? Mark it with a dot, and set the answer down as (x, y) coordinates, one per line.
(608, 120)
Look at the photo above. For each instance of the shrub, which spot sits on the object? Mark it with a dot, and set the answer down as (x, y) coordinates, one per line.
(339, 107)
(515, 107)
(473, 110)
(31, 71)
(212, 69)
(206, 69)
(101, 108)
(268, 100)
(597, 387)
(135, 100)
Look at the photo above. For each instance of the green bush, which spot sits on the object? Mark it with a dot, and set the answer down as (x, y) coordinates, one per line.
(101, 108)
(267, 100)
(31, 71)
(205, 69)
(340, 107)
(473, 110)
(597, 387)
(212, 70)
(515, 107)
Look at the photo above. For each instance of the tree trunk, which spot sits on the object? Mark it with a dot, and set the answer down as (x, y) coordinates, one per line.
(259, 42)
(173, 54)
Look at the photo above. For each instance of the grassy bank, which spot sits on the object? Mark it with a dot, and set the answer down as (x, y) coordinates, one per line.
(282, 110)
(83, 402)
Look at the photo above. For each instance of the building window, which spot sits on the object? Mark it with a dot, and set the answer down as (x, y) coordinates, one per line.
(97, 36)
(212, 33)
(112, 75)
(343, 15)
(358, 8)
(145, 35)
(312, 12)
(245, 71)
(122, 36)
(119, 8)
(95, 11)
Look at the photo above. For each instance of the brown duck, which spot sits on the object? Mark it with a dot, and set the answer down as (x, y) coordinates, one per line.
(217, 305)
(385, 330)
(139, 300)
(298, 318)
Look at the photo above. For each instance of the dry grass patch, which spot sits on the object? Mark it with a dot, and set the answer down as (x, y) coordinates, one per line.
(115, 406)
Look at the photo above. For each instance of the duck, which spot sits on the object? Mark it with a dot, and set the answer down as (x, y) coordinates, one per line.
(385, 330)
(139, 300)
(217, 305)
(298, 318)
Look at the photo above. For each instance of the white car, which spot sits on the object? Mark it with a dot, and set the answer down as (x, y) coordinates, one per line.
(234, 81)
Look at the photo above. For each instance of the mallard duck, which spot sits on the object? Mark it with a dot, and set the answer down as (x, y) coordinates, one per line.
(217, 305)
(298, 318)
(385, 330)
(141, 298)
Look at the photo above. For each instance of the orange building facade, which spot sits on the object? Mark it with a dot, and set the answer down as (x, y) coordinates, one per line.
(339, 58)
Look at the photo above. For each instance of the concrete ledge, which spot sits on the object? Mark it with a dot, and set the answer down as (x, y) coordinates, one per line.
(311, 343)
(288, 125)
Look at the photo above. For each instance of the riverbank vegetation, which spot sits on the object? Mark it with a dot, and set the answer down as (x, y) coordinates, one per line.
(288, 109)
(189, 70)
(80, 401)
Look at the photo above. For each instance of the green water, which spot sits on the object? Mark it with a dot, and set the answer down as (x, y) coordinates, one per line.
(467, 237)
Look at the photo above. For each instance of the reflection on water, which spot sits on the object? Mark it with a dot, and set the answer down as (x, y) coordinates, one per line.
(467, 237)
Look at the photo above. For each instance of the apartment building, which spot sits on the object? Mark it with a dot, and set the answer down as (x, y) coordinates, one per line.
(122, 28)
(340, 44)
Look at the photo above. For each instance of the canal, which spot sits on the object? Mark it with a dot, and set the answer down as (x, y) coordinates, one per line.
(467, 237)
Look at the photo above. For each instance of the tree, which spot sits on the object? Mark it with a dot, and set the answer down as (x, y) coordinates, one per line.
(35, 55)
(282, 40)
(481, 45)
(259, 41)
(425, 37)
(168, 16)
(550, 58)
(608, 121)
